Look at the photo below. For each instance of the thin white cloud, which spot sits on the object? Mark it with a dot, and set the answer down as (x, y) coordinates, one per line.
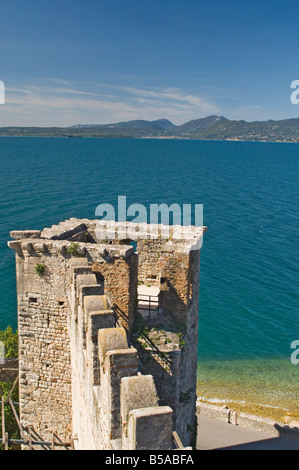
(42, 105)
(171, 96)
(58, 80)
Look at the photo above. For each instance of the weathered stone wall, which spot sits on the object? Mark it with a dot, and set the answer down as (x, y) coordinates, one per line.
(165, 264)
(175, 377)
(186, 410)
(44, 346)
(121, 286)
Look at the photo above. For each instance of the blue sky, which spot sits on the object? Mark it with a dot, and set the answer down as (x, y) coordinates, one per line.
(68, 62)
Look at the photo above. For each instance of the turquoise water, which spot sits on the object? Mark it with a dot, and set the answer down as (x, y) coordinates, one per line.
(249, 266)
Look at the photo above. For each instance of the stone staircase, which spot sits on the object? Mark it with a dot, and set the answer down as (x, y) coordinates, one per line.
(67, 230)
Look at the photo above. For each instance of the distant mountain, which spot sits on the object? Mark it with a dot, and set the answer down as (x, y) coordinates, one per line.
(197, 125)
(137, 124)
(208, 128)
(158, 124)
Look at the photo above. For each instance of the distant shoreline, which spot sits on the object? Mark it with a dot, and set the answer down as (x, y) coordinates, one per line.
(146, 138)
(210, 128)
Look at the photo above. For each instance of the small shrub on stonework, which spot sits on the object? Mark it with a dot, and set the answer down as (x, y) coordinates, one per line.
(182, 342)
(40, 269)
(73, 249)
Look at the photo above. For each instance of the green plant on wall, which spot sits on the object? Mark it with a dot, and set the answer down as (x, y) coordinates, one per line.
(182, 342)
(73, 249)
(40, 269)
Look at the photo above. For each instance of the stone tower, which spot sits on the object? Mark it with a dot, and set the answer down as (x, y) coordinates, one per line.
(108, 332)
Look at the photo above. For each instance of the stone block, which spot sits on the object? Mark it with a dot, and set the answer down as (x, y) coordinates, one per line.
(119, 363)
(111, 339)
(79, 266)
(234, 417)
(27, 246)
(86, 279)
(123, 361)
(150, 428)
(64, 230)
(258, 424)
(92, 290)
(213, 411)
(95, 303)
(137, 392)
(14, 245)
(20, 234)
(40, 247)
(101, 320)
(81, 250)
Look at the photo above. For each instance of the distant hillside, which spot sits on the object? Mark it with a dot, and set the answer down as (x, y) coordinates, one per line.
(198, 125)
(275, 131)
(137, 124)
(208, 128)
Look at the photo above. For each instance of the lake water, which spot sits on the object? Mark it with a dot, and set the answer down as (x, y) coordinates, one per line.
(249, 295)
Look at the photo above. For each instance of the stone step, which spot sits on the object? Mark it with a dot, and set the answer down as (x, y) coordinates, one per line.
(64, 230)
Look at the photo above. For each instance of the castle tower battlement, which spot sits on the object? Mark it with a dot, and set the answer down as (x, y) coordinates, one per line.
(88, 344)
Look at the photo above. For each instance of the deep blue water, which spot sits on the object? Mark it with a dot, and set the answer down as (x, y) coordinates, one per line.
(249, 295)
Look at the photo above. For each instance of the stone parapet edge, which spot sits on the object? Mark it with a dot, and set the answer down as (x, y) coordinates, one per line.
(269, 426)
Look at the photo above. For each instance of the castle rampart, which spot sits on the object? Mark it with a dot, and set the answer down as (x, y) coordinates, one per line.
(87, 351)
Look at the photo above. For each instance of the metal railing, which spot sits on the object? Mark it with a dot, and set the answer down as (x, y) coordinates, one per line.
(177, 441)
(151, 303)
